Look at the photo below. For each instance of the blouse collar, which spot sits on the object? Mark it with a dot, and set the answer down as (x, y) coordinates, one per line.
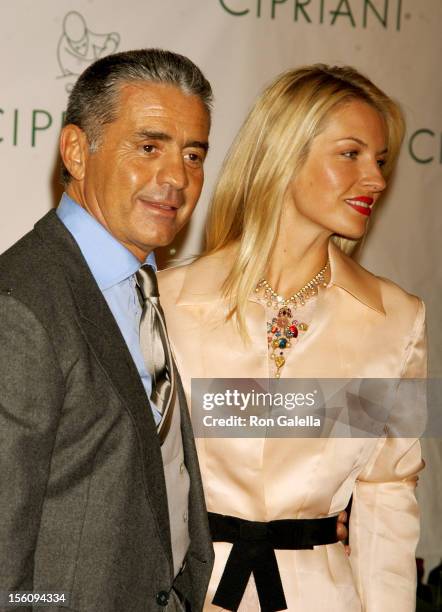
(204, 278)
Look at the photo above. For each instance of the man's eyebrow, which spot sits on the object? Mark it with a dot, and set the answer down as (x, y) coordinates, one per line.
(163, 136)
(197, 144)
(152, 135)
(362, 143)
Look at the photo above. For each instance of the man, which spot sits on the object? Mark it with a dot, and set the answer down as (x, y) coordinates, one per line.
(100, 492)
(84, 510)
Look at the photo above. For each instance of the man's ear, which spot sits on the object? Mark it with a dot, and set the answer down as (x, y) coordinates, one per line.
(74, 150)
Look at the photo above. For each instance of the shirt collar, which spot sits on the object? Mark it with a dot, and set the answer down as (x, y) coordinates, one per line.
(109, 261)
(204, 278)
(353, 278)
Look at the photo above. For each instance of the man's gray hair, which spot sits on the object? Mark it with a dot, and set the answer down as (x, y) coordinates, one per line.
(93, 101)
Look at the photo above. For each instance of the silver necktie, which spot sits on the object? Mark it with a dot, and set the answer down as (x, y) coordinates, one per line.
(155, 345)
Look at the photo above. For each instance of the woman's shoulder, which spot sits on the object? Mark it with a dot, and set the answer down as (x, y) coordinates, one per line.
(397, 317)
(403, 311)
(378, 292)
(406, 309)
(171, 279)
(394, 296)
(201, 278)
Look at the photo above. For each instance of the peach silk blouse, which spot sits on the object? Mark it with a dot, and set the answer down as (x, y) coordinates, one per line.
(362, 326)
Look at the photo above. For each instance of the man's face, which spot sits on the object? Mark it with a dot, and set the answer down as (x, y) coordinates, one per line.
(145, 178)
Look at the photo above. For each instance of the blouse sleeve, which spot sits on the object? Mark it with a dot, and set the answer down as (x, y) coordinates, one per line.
(384, 521)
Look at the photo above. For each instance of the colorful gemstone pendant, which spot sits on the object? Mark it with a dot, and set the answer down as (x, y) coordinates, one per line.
(282, 330)
(279, 361)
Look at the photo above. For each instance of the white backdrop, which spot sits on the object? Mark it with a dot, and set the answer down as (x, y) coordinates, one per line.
(240, 45)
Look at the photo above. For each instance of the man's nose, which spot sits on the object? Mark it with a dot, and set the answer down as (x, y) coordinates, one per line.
(173, 171)
(373, 179)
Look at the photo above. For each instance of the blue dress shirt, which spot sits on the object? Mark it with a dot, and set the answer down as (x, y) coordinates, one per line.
(113, 268)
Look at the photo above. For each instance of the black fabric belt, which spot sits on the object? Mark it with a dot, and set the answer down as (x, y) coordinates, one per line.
(253, 551)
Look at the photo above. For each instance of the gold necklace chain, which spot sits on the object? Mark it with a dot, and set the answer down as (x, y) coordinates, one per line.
(309, 290)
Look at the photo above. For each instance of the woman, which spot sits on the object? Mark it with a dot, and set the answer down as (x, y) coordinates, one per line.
(275, 295)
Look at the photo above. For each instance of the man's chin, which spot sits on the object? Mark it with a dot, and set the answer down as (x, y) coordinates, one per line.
(159, 241)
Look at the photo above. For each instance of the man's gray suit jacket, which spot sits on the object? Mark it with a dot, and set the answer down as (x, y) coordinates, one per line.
(83, 505)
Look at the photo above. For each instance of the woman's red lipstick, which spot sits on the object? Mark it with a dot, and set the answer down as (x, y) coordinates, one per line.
(364, 208)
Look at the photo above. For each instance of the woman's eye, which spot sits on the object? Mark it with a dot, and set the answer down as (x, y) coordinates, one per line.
(350, 154)
(381, 162)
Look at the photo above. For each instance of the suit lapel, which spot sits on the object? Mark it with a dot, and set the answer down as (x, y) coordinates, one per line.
(109, 347)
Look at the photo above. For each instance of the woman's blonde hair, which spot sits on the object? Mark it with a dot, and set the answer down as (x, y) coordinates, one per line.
(269, 149)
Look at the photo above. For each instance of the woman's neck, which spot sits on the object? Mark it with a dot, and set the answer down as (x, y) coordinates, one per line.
(295, 261)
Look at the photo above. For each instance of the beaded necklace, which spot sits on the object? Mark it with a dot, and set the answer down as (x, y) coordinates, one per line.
(283, 329)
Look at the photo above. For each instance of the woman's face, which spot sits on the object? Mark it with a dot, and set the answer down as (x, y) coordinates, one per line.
(341, 179)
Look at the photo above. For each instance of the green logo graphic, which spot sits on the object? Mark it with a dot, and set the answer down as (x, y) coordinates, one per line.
(425, 146)
(79, 46)
(354, 13)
